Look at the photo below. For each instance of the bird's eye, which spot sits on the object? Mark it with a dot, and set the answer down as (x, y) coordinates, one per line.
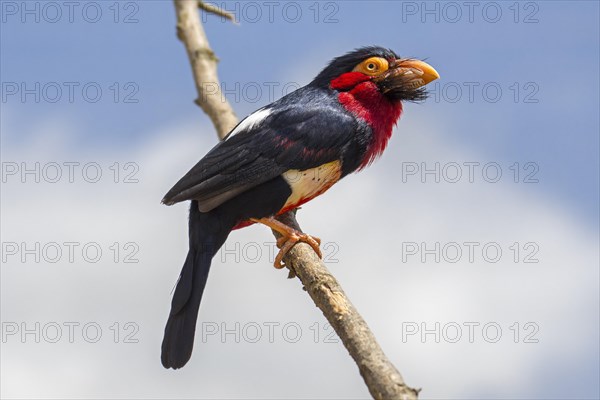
(372, 66)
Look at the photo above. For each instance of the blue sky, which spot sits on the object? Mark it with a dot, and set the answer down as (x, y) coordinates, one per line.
(544, 58)
(557, 56)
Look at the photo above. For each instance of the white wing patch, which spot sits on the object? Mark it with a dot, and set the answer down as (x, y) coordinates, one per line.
(250, 121)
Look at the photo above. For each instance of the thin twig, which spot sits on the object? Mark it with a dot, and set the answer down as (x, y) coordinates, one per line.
(212, 9)
(381, 377)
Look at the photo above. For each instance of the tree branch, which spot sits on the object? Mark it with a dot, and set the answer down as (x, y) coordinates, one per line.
(381, 377)
(204, 67)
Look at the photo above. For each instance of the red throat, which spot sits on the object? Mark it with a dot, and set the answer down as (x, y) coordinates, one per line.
(366, 102)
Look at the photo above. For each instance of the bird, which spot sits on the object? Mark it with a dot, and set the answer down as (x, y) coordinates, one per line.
(282, 156)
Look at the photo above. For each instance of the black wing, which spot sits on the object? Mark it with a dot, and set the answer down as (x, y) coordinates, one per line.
(303, 130)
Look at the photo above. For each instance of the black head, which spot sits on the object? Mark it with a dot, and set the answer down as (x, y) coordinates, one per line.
(396, 77)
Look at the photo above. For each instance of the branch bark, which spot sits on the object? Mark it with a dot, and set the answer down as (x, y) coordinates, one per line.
(381, 377)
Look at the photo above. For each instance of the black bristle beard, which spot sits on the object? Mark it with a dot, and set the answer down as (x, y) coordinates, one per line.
(399, 88)
(412, 95)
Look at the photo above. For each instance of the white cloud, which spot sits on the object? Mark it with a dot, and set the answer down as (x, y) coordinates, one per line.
(365, 219)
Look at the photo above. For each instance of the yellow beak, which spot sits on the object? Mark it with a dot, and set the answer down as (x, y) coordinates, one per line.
(424, 73)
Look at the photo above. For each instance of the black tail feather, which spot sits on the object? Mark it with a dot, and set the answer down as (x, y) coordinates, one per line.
(207, 233)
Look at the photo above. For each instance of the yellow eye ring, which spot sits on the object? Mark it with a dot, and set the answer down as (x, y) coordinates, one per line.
(372, 66)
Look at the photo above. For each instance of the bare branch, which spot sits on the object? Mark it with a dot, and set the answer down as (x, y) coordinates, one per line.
(381, 377)
(212, 9)
(204, 67)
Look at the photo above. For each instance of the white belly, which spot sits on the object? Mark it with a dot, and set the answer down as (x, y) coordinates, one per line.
(310, 183)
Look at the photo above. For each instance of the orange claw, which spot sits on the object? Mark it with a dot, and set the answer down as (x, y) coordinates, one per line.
(285, 243)
(289, 237)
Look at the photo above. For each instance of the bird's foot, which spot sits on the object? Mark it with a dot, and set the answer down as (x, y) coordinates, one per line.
(289, 237)
(285, 244)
